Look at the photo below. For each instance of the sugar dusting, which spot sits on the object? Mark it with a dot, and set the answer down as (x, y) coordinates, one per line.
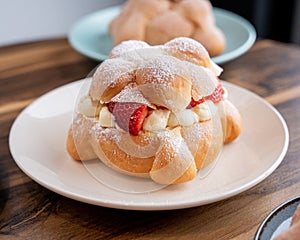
(131, 93)
(127, 46)
(105, 134)
(162, 70)
(110, 71)
(203, 80)
(196, 131)
(185, 44)
(170, 141)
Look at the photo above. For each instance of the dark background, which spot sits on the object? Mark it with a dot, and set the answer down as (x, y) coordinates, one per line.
(274, 19)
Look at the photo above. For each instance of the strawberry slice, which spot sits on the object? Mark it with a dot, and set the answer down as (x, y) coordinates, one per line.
(215, 97)
(194, 103)
(111, 106)
(129, 116)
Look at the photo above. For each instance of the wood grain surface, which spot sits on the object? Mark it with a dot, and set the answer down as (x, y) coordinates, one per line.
(30, 211)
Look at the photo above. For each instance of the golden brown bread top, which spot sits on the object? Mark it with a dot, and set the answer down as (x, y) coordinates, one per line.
(136, 62)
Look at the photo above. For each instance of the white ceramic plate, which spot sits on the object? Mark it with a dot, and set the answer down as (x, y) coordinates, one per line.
(37, 143)
(90, 37)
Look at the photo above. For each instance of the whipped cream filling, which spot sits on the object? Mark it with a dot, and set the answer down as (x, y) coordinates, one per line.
(225, 94)
(157, 119)
(205, 111)
(185, 117)
(88, 107)
(106, 119)
(161, 119)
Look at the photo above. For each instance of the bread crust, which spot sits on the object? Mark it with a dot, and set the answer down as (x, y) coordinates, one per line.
(232, 122)
(165, 82)
(110, 78)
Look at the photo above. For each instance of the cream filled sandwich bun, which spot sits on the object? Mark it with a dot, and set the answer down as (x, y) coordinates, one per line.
(156, 112)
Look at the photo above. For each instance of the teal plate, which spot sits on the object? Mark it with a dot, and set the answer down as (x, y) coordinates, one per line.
(90, 36)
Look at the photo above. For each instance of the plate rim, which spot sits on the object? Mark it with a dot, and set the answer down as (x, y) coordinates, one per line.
(220, 59)
(160, 206)
(70, 35)
(273, 213)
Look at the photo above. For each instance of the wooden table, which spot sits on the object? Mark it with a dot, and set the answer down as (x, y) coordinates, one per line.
(30, 211)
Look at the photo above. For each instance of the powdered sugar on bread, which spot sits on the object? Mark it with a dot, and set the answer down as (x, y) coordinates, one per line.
(176, 116)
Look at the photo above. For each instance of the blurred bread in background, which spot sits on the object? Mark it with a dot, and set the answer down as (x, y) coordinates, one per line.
(158, 21)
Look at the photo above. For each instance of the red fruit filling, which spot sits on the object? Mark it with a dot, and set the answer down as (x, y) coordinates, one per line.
(215, 97)
(129, 116)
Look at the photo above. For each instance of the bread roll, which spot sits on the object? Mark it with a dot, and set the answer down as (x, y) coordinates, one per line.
(160, 112)
(158, 21)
